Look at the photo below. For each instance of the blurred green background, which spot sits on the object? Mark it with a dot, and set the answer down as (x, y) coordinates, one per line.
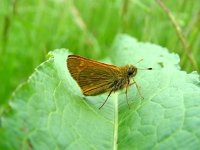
(29, 29)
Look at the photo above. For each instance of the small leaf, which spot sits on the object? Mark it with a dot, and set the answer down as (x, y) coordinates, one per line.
(50, 112)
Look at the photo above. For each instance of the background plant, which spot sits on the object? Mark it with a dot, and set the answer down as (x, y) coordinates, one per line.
(29, 29)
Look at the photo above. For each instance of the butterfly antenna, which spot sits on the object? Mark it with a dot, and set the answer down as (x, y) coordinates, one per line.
(139, 61)
(144, 68)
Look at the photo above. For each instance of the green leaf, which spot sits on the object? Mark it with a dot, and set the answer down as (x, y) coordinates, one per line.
(50, 112)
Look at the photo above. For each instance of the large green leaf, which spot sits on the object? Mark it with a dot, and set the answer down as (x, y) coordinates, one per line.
(49, 111)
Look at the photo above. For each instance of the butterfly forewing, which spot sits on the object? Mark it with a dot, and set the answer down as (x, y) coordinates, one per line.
(92, 76)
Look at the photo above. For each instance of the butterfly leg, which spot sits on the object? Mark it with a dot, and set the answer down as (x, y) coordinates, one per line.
(106, 99)
(127, 85)
(138, 89)
(132, 83)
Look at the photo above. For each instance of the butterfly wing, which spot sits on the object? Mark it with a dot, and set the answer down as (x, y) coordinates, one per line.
(93, 77)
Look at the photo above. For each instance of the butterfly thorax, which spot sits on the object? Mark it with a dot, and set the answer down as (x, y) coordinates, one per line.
(127, 72)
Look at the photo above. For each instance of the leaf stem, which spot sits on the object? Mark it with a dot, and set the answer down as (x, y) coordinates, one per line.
(123, 17)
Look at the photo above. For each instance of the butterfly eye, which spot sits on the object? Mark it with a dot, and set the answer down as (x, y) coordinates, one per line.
(130, 71)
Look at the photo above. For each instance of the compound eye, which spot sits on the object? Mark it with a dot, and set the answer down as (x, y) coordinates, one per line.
(130, 72)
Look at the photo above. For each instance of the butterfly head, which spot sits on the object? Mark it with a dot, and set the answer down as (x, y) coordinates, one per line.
(132, 71)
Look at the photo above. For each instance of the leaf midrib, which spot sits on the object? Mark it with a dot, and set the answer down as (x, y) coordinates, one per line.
(115, 133)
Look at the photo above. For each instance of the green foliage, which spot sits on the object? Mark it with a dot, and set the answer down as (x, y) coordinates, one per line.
(29, 29)
(49, 111)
